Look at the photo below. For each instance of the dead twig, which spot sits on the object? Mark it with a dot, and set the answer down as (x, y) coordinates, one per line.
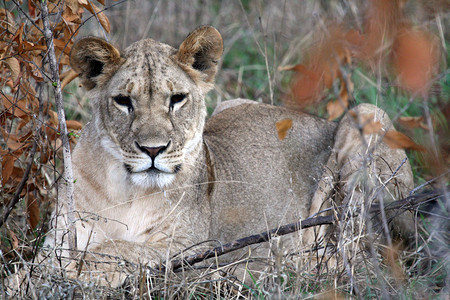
(56, 83)
(408, 203)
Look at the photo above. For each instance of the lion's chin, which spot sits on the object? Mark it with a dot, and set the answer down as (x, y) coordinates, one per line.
(152, 179)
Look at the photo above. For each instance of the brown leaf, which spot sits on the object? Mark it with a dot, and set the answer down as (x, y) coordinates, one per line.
(100, 15)
(336, 108)
(32, 210)
(14, 240)
(381, 22)
(415, 57)
(307, 85)
(68, 77)
(62, 45)
(14, 67)
(53, 118)
(283, 127)
(32, 9)
(413, 122)
(397, 140)
(27, 46)
(12, 106)
(7, 167)
(73, 125)
(14, 145)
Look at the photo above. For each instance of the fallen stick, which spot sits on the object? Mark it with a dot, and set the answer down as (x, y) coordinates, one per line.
(407, 203)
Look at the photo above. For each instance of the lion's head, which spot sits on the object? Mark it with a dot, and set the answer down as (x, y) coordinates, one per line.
(149, 107)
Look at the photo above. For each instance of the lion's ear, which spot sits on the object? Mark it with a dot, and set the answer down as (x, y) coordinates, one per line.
(201, 50)
(95, 60)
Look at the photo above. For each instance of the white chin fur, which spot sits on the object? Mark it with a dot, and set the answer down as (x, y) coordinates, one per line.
(145, 180)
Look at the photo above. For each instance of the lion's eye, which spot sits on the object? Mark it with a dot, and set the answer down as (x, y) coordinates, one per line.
(177, 98)
(124, 101)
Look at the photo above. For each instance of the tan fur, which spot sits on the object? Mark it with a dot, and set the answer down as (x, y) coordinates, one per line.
(227, 179)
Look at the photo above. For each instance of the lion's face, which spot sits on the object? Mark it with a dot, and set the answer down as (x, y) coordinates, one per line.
(151, 105)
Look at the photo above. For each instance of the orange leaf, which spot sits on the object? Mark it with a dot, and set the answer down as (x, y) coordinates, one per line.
(413, 122)
(7, 167)
(100, 15)
(73, 125)
(336, 108)
(62, 45)
(283, 127)
(68, 77)
(307, 85)
(415, 58)
(397, 140)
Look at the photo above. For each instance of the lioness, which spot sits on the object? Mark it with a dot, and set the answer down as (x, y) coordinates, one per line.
(152, 178)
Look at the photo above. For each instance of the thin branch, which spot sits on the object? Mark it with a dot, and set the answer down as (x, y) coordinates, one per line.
(404, 204)
(26, 15)
(56, 83)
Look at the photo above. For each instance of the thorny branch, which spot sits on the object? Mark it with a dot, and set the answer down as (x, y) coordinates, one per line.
(56, 83)
(407, 203)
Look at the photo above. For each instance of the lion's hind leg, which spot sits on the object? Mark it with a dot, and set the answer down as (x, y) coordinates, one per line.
(362, 170)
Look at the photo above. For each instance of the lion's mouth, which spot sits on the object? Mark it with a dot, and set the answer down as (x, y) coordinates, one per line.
(150, 171)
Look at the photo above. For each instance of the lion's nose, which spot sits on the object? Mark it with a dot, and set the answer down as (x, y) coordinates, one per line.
(152, 151)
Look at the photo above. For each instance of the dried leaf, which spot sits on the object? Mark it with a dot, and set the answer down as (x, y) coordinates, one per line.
(32, 210)
(381, 22)
(337, 107)
(53, 118)
(283, 127)
(332, 49)
(7, 167)
(307, 85)
(14, 66)
(63, 45)
(100, 15)
(27, 46)
(415, 57)
(14, 145)
(14, 240)
(397, 140)
(32, 9)
(68, 77)
(413, 122)
(73, 125)
(17, 109)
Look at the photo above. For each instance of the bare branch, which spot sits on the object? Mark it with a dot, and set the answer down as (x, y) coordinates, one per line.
(404, 204)
(56, 83)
